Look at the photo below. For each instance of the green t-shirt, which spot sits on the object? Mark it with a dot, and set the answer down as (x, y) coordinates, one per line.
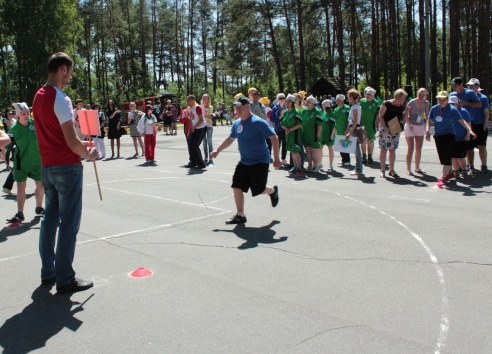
(291, 118)
(311, 117)
(327, 126)
(26, 153)
(341, 118)
(369, 111)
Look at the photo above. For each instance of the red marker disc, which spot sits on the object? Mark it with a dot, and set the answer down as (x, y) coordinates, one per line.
(141, 273)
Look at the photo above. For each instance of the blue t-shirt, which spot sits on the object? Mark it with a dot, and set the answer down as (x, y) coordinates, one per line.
(251, 135)
(458, 128)
(469, 96)
(479, 118)
(443, 119)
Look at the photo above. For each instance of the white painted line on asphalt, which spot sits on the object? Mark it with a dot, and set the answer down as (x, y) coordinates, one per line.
(154, 228)
(202, 205)
(131, 179)
(444, 324)
(408, 198)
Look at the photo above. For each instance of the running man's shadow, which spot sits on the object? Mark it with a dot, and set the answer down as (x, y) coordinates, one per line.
(255, 235)
(39, 321)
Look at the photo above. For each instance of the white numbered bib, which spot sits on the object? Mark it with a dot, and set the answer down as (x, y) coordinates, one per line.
(419, 118)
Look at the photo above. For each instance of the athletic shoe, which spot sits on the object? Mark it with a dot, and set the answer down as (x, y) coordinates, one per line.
(316, 169)
(293, 170)
(310, 169)
(19, 217)
(364, 160)
(284, 162)
(340, 163)
(8, 191)
(346, 163)
(300, 173)
(370, 160)
(355, 173)
(484, 169)
(274, 196)
(441, 182)
(39, 211)
(236, 219)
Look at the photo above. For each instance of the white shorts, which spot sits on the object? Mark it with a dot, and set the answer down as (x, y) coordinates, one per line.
(418, 130)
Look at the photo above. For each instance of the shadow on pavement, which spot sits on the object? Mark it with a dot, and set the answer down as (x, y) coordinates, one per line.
(255, 235)
(39, 321)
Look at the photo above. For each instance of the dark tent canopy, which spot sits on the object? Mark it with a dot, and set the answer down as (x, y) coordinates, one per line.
(325, 86)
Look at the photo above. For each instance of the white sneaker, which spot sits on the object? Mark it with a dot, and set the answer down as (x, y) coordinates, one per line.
(355, 173)
(316, 169)
(8, 191)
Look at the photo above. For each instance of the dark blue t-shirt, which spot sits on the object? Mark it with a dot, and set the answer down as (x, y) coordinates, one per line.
(443, 119)
(251, 135)
(469, 96)
(458, 128)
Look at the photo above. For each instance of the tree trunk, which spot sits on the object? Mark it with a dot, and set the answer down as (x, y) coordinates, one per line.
(291, 43)
(275, 53)
(302, 60)
(455, 34)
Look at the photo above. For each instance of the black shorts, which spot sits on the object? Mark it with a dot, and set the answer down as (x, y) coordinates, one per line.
(460, 148)
(481, 139)
(251, 176)
(445, 148)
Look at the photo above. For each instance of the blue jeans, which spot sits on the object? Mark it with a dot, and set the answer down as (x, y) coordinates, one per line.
(63, 210)
(358, 157)
(207, 142)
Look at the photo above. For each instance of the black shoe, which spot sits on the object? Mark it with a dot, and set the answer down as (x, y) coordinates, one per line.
(370, 160)
(236, 219)
(274, 196)
(199, 167)
(364, 160)
(19, 217)
(39, 211)
(75, 286)
(49, 281)
(484, 169)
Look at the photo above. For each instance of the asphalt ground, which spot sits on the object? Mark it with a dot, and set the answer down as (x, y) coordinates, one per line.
(342, 264)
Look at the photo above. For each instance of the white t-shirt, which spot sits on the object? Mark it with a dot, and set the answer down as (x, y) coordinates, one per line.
(195, 114)
(355, 107)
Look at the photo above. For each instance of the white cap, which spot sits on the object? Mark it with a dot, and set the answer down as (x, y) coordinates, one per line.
(473, 82)
(19, 107)
(326, 103)
(370, 91)
(453, 99)
(290, 98)
(311, 99)
(340, 97)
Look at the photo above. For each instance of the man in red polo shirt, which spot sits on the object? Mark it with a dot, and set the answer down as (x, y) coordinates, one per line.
(62, 173)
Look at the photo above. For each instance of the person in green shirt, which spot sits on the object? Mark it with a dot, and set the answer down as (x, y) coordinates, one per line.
(370, 110)
(311, 133)
(26, 159)
(328, 131)
(341, 114)
(291, 122)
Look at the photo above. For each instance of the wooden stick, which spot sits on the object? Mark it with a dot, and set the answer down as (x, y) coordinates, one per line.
(97, 175)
